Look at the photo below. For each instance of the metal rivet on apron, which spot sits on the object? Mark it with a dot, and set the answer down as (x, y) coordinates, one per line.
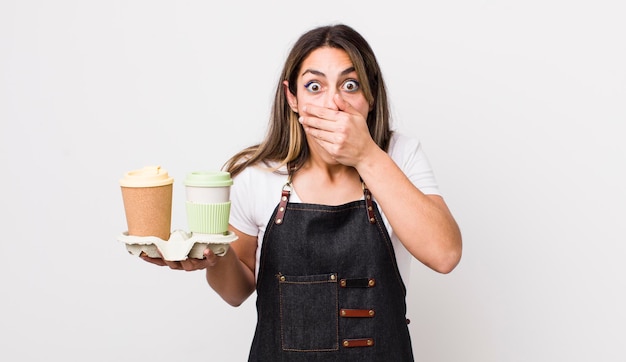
(282, 278)
(371, 312)
(343, 312)
(370, 342)
(371, 283)
(343, 282)
(346, 343)
(372, 220)
(284, 198)
(333, 277)
(278, 221)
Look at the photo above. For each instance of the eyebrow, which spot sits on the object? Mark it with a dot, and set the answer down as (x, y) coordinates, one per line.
(318, 73)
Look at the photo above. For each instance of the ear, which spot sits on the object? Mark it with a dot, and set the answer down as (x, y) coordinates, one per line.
(291, 98)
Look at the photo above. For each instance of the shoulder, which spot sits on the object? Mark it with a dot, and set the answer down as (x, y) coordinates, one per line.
(407, 152)
(260, 174)
(255, 192)
(257, 181)
(402, 146)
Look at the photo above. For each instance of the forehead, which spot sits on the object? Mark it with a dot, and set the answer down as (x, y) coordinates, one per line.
(327, 60)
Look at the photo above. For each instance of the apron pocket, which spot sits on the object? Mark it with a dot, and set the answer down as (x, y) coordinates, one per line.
(308, 312)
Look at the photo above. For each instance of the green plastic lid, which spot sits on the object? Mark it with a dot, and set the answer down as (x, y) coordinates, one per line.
(208, 179)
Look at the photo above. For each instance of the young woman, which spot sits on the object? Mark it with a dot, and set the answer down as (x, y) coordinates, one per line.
(329, 210)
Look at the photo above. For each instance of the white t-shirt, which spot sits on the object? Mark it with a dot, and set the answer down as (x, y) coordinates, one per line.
(256, 192)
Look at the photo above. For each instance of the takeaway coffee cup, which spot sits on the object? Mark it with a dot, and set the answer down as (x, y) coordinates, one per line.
(208, 201)
(147, 195)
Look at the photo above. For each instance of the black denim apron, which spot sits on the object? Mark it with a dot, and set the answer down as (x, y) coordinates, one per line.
(328, 287)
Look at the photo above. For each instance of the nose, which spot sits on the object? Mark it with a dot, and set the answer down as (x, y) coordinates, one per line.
(329, 99)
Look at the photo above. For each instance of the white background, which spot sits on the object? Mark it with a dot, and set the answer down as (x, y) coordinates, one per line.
(520, 106)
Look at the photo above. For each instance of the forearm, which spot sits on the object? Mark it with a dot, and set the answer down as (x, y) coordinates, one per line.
(231, 279)
(423, 223)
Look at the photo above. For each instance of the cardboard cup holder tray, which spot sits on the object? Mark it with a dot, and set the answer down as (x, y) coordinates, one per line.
(180, 246)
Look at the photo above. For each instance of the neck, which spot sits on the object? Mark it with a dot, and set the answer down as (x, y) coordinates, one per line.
(327, 172)
(324, 183)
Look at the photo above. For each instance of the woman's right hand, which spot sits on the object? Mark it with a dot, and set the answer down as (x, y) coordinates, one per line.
(230, 275)
(189, 264)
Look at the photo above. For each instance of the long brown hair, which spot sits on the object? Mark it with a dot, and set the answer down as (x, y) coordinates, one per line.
(285, 141)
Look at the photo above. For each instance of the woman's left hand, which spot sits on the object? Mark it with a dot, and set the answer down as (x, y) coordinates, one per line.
(342, 132)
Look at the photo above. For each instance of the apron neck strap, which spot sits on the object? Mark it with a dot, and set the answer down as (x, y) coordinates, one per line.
(286, 193)
(369, 205)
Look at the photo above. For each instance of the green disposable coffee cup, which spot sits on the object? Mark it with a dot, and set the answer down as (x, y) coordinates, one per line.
(208, 201)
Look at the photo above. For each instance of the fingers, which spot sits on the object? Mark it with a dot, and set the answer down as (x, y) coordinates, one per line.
(190, 264)
(330, 113)
(156, 261)
(322, 118)
(210, 257)
(324, 124)
(330, 120)
(312, 127)
(162, 262)
(341, 131)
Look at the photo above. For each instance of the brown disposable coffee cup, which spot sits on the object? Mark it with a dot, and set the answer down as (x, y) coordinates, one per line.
(147, 195)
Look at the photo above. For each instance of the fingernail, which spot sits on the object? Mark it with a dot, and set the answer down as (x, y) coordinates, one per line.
(300, 119)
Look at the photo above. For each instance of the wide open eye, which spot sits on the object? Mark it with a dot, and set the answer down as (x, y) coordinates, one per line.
(313, 87)
(351, 85)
